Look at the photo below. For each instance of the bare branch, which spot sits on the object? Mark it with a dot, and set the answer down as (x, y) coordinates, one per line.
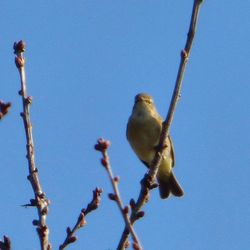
(40, 201)
(81, 222)
(148, 181)
(102, 146)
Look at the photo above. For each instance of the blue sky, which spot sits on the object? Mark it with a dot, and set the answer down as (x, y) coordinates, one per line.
(86, 60)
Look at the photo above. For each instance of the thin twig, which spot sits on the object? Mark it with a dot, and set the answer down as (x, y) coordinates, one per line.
(102, 146)
(4, 108)
(148, 181)
(81, 222)
(40, 201)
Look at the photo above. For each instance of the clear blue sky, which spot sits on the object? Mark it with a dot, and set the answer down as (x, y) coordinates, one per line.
(86, 60)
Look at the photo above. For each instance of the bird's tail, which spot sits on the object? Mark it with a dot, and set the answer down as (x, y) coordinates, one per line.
(170, 185)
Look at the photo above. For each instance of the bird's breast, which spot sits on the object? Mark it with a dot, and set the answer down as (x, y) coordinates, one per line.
(143, 135)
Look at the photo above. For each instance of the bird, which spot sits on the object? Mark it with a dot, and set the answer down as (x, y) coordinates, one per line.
(143, 134)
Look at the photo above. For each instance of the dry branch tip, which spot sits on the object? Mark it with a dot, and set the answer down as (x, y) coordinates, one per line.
(81, 221)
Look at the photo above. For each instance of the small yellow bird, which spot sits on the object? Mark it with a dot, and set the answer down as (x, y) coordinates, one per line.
(143, 133)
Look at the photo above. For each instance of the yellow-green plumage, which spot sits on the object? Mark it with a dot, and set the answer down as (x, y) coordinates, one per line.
(143, 133)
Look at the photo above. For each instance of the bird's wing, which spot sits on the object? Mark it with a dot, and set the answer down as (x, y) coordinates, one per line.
(172, 150)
